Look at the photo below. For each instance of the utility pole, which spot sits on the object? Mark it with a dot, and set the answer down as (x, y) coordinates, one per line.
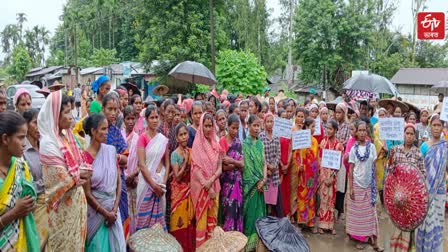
(212, 37)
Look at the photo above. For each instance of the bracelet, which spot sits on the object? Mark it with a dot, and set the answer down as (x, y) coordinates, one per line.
(1, 223)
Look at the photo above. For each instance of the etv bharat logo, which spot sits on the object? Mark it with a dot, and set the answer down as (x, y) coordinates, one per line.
(431, 25)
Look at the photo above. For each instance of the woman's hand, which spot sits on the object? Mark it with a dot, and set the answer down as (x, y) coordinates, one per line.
(260, 186)
(208, 185)
(352, 194)
(158, 190)
(84, 176)
(24, 206)
(111, 217)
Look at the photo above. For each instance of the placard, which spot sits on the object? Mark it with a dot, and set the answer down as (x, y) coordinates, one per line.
(301, 139)
(282, 127)
(317, 127)
(444, 112)
(391, 129)
(331, 159)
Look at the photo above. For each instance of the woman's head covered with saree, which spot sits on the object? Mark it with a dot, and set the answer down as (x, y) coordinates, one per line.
(54, 121)
(204, 155)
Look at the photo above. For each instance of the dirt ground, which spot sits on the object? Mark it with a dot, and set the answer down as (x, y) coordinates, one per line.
(328, 242)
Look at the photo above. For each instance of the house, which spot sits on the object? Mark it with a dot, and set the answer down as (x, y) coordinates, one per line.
(37, 74)
(118, 74)
(414, 85)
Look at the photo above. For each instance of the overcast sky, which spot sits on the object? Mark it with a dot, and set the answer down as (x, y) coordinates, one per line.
(47, 12)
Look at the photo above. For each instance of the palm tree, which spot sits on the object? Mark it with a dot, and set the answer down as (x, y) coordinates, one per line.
(9, 39)
(21, 18)
(44, 40)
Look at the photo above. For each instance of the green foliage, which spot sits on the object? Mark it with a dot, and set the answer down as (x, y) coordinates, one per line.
(239, 71)
(104, 57)
(21, 63)
(201, 88)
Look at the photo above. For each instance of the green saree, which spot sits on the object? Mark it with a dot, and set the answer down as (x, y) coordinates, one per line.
(254, 204)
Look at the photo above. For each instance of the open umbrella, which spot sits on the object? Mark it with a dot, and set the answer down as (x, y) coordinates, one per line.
(372, 83)
(129, 85)
(406, 196)
(193, 72)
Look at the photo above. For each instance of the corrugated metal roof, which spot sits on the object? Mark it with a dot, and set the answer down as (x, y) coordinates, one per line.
(420, 76)
(44, 71)
(89, 70)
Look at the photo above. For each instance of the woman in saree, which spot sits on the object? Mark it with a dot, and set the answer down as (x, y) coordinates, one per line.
(116, 139)
(343, 135)
(206, 168)
(402, 241)
(306, 162)
(381, 161)
(167, 128)
(153, 163)
(131, 170)
(137, 103)
(64, 173)
(285, 164)
(231, 197)
(327, 181)
(301, 114)
(104, 229)
(430, 233)
(22, 100)
(182, 211)
(195, 114)
(31, 156)
(18, 231)
(254, 181)
(101, 88)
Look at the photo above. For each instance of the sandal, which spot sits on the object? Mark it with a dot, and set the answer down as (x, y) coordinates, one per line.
(333, 232)
(378, 249)
(359, 246)
(321, 231)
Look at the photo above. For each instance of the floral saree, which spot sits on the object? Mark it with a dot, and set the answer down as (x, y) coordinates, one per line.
(231, 198)
(20, 234)
(308, 183)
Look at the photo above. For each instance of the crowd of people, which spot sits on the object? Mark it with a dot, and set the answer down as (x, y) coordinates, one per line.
(193, 164)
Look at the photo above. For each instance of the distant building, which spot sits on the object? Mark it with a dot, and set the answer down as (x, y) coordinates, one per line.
(414, 85)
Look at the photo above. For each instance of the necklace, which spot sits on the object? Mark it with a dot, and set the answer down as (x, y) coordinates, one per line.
(366, 154)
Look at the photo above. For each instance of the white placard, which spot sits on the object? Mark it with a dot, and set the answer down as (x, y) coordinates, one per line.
(391, 129)
(301, 139)
(331, 159)
(444, 112)
(282, 127)
(317, 127)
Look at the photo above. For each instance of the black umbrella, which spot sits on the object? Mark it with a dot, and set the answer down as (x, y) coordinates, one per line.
(134, 88)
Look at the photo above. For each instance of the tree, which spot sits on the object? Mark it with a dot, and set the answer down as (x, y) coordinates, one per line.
(21, 19)
(104, 57)
(10, 37)
(21, 63)
(239, 71)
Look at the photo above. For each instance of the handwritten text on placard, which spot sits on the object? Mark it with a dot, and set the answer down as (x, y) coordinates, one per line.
(301, 139)
(331, 159)
(282, 127)
(392, 129)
